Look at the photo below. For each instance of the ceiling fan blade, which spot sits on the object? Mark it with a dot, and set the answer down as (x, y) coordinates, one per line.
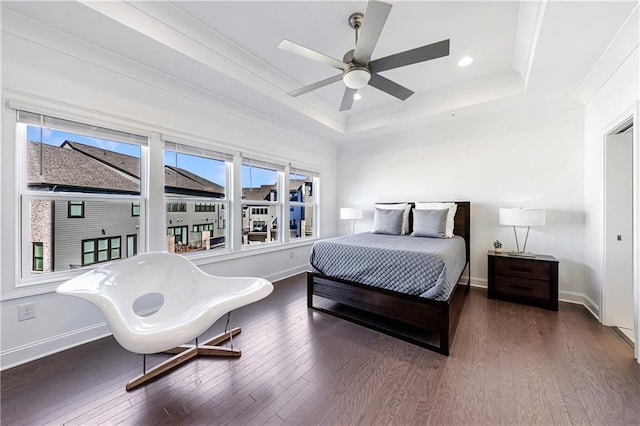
(347, 99)
(316, 85)
(297, 49)
(408, 57)
(388, 86)
(374, 19)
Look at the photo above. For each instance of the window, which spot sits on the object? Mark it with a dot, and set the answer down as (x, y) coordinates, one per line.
(100, 250)
(260, 207)
(38, 257)
(205, 207)
(176, 207)
(132, 245)
(75, 209)
(303, 203)
(203, 227)
(75, 170)
(195, 182)
(259, 210)
(83, 196)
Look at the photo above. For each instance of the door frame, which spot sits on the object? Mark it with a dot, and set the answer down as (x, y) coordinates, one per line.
(630, 114)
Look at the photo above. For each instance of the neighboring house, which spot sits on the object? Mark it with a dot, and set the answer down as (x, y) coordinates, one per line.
(70, 234)
(260, 221)
(190, 225)
(75, 233)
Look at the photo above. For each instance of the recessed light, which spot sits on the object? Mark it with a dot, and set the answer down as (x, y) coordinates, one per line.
(465, 61)
(357, 97)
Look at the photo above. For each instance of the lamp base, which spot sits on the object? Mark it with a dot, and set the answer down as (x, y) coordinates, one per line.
(520, 254)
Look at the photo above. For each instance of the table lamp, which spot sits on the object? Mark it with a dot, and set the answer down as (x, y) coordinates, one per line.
(352, 215)
(521, 217)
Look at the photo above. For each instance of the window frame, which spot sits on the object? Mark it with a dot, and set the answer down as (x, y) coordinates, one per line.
(70, 205)
(135, 245)
(151, 228)
(35, 244)
(96, 250)
(201, 203)
(25, 277)
(313, 203)
(279, 203)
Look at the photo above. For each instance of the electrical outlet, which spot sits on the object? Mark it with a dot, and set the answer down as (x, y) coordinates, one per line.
(291, 255)
(26, 311)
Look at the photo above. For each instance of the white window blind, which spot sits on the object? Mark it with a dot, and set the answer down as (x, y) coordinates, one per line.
(199, 152)
(262, 164)
(308, 173)
(41, 120)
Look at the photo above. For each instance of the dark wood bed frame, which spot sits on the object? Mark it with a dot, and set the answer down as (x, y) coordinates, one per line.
(424, 322)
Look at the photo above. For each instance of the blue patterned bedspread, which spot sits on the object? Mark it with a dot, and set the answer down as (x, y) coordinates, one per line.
(426, 267)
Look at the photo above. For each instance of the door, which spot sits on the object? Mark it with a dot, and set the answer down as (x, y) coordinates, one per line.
(618, 282)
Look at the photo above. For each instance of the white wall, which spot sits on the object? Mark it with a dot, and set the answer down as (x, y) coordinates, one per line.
(615, 99)
(519, 152)
(68, 77)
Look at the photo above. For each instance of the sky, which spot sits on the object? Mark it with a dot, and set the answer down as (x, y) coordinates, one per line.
(213, 170)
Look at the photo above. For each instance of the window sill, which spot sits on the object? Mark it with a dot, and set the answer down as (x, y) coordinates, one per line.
(247, 251)
(48, 284)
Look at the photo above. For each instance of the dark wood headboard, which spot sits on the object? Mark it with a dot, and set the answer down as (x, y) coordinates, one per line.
(461, 221)
(462, 224)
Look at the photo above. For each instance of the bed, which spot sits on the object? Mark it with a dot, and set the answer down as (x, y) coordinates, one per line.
(425, 316)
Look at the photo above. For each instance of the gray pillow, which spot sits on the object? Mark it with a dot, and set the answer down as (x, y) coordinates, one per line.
(387, 221)
(430, 223)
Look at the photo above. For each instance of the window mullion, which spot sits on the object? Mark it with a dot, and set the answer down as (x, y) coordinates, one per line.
(285, 200)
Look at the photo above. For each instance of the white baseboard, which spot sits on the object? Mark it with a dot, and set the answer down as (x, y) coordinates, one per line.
(580, 299)
(592, 307)
(44, 347)
(479, 282)
(287, 273)
(563, 296)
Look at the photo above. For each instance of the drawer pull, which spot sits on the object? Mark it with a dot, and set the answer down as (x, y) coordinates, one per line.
(520, 287)
(520, 269)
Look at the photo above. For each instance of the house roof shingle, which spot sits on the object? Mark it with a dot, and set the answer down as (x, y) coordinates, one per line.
(69, 168)
(262, 192)
(122, 162)
(77, 166)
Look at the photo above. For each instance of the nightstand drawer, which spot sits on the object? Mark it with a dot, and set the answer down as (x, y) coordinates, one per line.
(522, 287)
(522, 268)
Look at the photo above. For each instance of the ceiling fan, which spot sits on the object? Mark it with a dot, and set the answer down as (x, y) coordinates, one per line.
(357, 68)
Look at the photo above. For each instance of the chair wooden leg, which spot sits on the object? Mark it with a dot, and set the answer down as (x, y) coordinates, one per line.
(163, 367)
(187, 352)
(218, 351)
(222, 337)
(214, 341)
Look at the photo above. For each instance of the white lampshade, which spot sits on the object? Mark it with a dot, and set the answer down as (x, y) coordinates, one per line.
(521, 216)
(348, 213)
(356, 78)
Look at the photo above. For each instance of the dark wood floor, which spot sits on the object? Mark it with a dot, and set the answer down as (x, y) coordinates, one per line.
(509, 364)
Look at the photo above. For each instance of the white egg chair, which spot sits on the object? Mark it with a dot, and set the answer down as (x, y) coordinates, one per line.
(192, 301)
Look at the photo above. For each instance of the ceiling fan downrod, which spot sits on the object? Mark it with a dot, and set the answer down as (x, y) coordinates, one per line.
(355, 22)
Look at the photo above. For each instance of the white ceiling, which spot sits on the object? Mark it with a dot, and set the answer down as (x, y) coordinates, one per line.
(229, 50)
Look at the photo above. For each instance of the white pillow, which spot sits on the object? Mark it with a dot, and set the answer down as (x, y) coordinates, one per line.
(405, 217)
(440, 206)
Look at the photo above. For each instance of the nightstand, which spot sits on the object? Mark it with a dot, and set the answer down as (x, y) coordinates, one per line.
(528, 280)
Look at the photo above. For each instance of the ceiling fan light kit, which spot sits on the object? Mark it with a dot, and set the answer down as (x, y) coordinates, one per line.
(357, 68)
(356, 77)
